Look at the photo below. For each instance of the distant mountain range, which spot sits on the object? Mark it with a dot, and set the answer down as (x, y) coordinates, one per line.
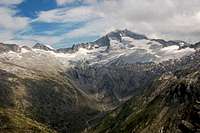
(123, 82)
(120, 45)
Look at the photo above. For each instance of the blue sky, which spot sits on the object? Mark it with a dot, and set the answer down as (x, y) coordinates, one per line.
(31, 9)
(53, 31)
(61, 23)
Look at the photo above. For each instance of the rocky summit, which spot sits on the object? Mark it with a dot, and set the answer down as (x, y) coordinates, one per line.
(123, 82)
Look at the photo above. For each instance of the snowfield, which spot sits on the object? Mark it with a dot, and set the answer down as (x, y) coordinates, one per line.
(126, 50)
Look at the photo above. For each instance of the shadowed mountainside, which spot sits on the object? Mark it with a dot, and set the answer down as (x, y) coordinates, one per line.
(123, 82)
(170, 104)
(53, 102)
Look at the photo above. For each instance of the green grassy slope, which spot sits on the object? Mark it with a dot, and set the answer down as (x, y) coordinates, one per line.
(14, 122)
(48, 99)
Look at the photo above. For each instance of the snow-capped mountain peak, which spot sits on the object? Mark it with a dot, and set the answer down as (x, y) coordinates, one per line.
(117, 36)
(118, 46)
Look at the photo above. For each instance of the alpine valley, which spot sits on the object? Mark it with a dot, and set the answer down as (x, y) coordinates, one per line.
(124, 82)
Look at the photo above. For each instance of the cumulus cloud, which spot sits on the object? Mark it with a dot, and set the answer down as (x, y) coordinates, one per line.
(64, 15)
(10, 24)
(167, 19)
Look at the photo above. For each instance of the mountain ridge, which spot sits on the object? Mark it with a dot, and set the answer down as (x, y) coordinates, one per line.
(171, 104)
(72, 89)
(116, 35)
(118, 46)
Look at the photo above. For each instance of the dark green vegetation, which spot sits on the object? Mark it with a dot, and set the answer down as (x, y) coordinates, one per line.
(40, 99)
(12, 121)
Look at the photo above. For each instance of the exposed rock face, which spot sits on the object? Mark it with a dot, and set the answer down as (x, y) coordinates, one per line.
(64, 50)
(171, 43)
(114, 84)
(117, 35)
(169, 104)
(196, 45)
(132, 34)
(76, 48)
(42, 47)
(9, 47)
(26, 47)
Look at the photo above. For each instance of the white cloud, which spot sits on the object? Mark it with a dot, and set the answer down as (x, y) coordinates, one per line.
(93, 28)
(64, 15)
(167, 19)
(6, 35)
(64, 2)
(21, 42)
(30, 40)
(11, 22)
(10, 2)
(45, 39)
